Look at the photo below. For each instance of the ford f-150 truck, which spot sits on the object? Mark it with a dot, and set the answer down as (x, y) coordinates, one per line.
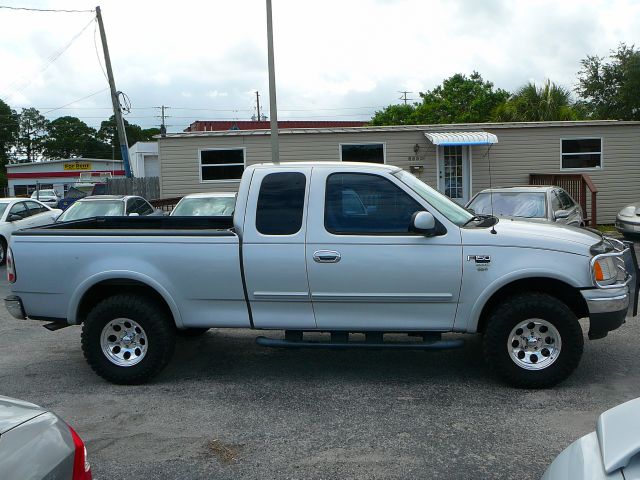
(345, 248)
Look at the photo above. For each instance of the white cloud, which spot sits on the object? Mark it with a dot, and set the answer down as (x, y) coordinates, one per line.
(329, 55)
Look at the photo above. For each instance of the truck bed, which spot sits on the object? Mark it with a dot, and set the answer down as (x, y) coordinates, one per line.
(148, 225)
(192, 262)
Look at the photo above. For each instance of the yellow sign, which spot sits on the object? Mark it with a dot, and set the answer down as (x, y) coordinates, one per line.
(77, 166)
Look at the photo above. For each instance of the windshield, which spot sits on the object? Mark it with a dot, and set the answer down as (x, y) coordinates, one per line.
(97, 208)
(443, 204)
(3, 207)
(510, 204)
(203, 206)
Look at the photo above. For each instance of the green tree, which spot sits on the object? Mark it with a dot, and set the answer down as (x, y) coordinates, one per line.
(70, 137)
(32, 132)
(8, 131)
(395, 115)
(610, 89)
(460, 99)
(108, 133)
(539, 104)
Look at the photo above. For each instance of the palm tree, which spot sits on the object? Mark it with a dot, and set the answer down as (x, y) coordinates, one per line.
(538, 104)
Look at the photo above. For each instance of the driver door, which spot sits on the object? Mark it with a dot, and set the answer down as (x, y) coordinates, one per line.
(366, 270)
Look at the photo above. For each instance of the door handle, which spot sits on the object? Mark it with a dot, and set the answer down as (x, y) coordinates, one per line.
(326, 256)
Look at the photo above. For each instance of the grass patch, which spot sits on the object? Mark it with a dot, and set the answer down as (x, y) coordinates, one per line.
(609, 228)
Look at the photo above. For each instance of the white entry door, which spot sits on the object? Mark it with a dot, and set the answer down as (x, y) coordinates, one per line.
(454, 174)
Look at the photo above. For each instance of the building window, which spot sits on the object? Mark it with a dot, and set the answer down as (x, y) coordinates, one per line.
(281, 203)
(221, 164)
(581, 153)
(363, 152)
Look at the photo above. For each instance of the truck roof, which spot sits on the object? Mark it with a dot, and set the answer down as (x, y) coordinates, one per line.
(333, 164)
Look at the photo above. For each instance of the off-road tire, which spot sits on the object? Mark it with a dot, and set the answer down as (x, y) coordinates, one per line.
(157, 324)
(191, 332)
(521, 307)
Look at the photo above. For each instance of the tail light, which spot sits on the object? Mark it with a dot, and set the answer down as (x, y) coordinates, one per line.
(81, 467)
(11, 268)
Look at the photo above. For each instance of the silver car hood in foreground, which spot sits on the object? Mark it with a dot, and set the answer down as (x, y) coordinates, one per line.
(611, 452)
(527, 234)
(15, 412)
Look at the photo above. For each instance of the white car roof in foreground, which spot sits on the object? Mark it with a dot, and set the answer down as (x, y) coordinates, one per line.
(617, 431)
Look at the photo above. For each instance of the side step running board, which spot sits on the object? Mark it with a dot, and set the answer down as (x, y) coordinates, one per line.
(437, 345)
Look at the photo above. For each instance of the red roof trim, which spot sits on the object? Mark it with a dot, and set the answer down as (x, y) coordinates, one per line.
(220, 125)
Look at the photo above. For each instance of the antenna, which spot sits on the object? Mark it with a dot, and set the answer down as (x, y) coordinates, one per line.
(488, 155)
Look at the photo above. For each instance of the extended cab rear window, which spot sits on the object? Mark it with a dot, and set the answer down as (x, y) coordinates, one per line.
(281, 203)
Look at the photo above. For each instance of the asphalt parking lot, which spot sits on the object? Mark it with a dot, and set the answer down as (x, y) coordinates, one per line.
(227, 408)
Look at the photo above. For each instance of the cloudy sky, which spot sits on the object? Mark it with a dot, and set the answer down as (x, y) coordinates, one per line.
(335, 59)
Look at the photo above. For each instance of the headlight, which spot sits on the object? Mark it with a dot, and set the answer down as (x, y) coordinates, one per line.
(629, 211)
(605, 271)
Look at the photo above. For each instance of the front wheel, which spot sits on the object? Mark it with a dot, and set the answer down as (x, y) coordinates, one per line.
(533, 340)
(128, 339)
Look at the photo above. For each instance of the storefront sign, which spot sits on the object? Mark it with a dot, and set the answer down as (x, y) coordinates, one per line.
(78, 166)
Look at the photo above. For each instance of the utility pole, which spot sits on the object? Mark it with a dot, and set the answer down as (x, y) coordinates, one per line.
(275, 148)
(162, 117)
(117, 112)
(404, 97)
(258, 105)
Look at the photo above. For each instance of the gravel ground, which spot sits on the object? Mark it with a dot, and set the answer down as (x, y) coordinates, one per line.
(226, 408)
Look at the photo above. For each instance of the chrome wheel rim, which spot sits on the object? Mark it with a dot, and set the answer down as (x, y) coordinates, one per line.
(124, 342)
(534, 344)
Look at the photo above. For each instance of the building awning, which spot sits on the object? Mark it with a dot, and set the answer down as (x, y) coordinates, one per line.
(462, 138)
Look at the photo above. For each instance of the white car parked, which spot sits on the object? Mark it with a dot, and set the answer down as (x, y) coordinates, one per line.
(206, 204)
(47, 196)
(20, 213)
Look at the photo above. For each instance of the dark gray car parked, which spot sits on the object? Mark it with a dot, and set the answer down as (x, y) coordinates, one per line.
(37, 444)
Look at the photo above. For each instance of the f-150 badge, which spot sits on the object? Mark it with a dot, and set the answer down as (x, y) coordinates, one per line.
(481, 261)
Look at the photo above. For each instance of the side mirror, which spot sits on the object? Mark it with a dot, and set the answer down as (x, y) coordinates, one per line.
(13, 217)
(423, 223)
(134, 214)
(560, 214)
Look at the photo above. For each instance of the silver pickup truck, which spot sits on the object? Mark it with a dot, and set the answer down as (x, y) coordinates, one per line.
(345, 248)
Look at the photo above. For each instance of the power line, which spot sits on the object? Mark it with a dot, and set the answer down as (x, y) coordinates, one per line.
(52, 58)
(45, 9)
(78, 100)
(95, 45)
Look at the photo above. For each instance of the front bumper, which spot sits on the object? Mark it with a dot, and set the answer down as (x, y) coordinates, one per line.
(610, 305)
(607, 309)
(13, 304)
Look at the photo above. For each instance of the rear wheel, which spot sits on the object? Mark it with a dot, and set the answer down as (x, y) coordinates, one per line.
(128, 338)
(533, 340)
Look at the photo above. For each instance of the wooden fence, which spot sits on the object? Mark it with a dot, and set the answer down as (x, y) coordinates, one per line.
(146, 187)
(577, 185)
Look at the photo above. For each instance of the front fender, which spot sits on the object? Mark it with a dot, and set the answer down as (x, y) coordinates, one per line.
(504, 280)
(78, 294)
